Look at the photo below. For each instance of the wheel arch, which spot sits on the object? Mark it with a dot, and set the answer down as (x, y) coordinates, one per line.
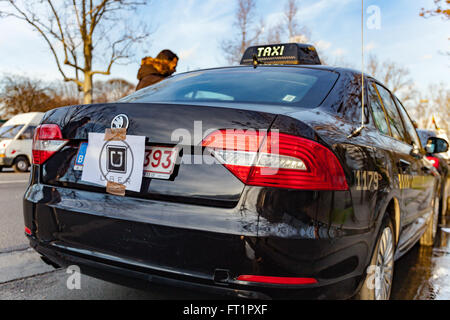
(393, 211)
(23, 156)
(390, 207)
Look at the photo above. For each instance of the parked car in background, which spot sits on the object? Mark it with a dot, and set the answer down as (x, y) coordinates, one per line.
(440, 162)
(16, 139)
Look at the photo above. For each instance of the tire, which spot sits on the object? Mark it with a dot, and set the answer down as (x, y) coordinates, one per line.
(429, 237)
(1, 168)
(21, 164)
(448, 206)
(443, 201)
(379, 274)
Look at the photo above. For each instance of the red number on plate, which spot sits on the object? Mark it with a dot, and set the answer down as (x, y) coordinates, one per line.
(168, 159)
(147, 158)
(156, 156)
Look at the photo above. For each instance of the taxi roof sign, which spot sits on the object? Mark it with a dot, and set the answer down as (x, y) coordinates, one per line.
(286, 53)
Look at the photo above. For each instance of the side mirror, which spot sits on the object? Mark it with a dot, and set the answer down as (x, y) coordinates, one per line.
(436, 145)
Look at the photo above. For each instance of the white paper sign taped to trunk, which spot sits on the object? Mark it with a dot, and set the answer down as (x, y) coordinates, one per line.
(116, 161)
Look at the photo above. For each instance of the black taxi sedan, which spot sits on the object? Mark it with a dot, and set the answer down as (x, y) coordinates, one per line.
(440, 162)
(253, 181)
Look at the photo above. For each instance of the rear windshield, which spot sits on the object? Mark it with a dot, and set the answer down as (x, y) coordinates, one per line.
(9, 132)
(292, 86)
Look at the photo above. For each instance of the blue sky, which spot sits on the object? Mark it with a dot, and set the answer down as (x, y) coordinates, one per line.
(194, 29)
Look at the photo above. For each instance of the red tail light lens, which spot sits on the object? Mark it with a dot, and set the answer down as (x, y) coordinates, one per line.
(28, 231)
(277, 160)
(47, 141)
(276, 280)
(434, 161)
(235, 149)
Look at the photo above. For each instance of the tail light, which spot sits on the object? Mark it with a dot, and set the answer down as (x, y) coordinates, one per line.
(276, 280)
(46, 142)
(277, 160)
(28, 231)
(434, 161)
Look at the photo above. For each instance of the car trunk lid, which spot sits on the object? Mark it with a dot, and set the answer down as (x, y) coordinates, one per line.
(162, 125)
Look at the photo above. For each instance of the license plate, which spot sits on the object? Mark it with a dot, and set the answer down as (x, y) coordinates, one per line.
(79, 160)
(160, 162)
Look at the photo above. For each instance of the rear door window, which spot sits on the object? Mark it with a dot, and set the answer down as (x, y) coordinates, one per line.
(377, 110)
(394, 119)
(28, 133)
(408, 125)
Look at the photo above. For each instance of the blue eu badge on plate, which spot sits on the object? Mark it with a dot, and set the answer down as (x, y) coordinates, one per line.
(79, 160)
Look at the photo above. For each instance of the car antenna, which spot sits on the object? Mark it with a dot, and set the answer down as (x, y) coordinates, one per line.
(357, 131)
(256, 62)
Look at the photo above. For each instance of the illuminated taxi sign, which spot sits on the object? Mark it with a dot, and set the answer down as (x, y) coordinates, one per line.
(288, 53)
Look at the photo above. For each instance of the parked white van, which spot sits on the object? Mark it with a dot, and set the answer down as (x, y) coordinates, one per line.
(16, 139)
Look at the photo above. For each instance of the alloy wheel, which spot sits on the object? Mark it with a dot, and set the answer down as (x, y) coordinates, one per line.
(22, 165)
(435, 217)
(385, 266)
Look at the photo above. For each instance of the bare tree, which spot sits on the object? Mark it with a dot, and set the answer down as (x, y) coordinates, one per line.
(112, 90)
(19, 94)
(442, 8)
(67, 92)
(275, 34)
(83, 34)
(291, 21)
(248, 32)
(288, 29)
(435, 103)
(395, 77)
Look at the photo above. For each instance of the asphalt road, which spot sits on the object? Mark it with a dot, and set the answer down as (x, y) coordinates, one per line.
(423, 273)
(12, 188)
(53, 286)
(24, 276)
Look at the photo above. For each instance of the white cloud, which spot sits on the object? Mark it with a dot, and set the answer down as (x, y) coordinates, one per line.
(370, 46)
(274, 18)
(339, 52)
(194, 30)
(319, 7)
(322, 45)
(187, 53)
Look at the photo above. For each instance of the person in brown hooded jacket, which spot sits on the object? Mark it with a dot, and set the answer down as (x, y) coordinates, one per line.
(154, 70)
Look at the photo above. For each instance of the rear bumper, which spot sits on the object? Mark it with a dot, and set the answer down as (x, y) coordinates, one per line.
(136, 241)
(6, 162)
(144, 277)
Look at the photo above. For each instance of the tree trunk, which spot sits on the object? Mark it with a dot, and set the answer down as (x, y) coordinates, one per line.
(87, 88)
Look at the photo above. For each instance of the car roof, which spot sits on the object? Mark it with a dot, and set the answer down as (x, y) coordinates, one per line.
(340, 70)
(319, 67)
(25, 119)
